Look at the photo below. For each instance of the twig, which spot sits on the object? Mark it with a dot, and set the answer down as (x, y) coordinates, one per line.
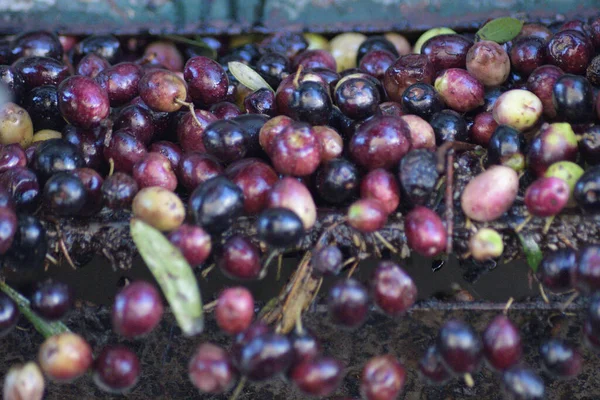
(543, 294)
(210, 306)
(386, 243)
(566, 241)
(265, 268)
(205, 273)
(51, 259)
(348, 261)
(320, 241)
(549, 221)
(446, 147)
(351, 272)
(111, 168)
(449, 200)
(508, 304)
(61, 244)
(520, 227)
(569, 301)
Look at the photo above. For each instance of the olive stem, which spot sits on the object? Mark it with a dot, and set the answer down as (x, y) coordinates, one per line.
(520, 227)
(265, 267)
(549, 221)
(111, 166)
(238, 389)
(297, 77)
(190, 106)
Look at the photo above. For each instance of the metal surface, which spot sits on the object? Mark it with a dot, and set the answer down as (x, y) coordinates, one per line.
(234, 16)
(164, 353)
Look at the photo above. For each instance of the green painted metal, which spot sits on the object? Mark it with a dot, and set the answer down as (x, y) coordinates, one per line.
(233, 16)
(411, 15)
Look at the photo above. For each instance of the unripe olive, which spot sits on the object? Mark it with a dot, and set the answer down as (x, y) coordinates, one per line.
(46, 134)
(485, 244)
(425, 36)
(15, 125)
(159, 207)
(316, 41)
(344, 48)
(518, 108)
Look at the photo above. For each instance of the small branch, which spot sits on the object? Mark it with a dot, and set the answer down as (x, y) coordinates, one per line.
(210, 306)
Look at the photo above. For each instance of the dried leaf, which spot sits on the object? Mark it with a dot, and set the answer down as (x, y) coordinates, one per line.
(247, 76)
(47, 329)
(532, 251)
(500, 30)
(173, 274)
(295, 297)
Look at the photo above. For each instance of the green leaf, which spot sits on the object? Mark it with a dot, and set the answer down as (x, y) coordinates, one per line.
(532, 251)
(196, 42)
(47, 329)
(173, 274)
(500, 30)
(247, 76)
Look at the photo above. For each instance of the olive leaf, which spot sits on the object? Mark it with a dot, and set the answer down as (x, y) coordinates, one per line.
(47, 329)
(196, 42)
(500, 30)
(247, 76)
(173, 274)
(532, 251)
